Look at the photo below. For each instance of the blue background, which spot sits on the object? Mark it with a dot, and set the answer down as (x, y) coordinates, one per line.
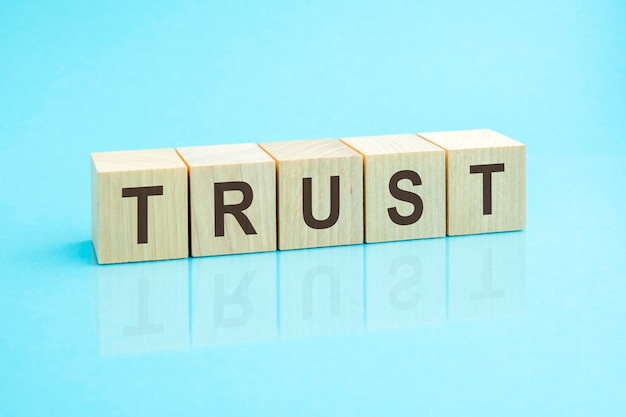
(519, 323)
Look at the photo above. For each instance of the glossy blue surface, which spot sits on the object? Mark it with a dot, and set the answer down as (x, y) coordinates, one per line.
(524, 323)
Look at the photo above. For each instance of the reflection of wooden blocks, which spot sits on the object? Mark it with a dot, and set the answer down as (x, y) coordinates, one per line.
(233, 301)
(321, 292)
(405, 187)
(138, 205)
(486, 175)
(232, 194)
(143, 307)
(405, 283)
(320, 193)
(486, 276)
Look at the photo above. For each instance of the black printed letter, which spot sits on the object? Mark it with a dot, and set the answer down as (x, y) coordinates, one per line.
(307, 204)
(236, 209)
(486, 170)
(142, 194)
(407, 196)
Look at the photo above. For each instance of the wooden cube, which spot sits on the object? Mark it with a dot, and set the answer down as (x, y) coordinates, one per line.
(138, 206)
(486, 175)
(232, 194)
(405, 187)
(320, 193)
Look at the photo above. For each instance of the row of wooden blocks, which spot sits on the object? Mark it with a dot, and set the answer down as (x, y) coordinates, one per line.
(227, 199)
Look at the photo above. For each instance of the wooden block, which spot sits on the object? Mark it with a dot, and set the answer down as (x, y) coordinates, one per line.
(320, 193)
(138, 206)
(232, 193)
(405, 187)
(486, 181)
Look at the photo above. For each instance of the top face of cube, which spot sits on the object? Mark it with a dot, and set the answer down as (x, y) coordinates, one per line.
(308, 149)
(242, 153)
(470, 139)
(124, 161)
(390, 144)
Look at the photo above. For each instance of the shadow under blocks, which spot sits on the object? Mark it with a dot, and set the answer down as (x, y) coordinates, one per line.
(245, 198)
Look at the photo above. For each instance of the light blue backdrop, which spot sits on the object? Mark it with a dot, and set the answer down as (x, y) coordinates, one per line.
(528, 323)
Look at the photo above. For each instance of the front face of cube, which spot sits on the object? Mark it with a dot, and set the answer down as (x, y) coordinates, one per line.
(320, 202)
(233, 209)
(486, 190)
(405, 196)
(142, 215)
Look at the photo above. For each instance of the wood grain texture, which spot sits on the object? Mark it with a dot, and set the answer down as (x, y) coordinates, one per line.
(115, 219)
(219, 164)
(468, 211)
(384, 156)
(319, 160)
